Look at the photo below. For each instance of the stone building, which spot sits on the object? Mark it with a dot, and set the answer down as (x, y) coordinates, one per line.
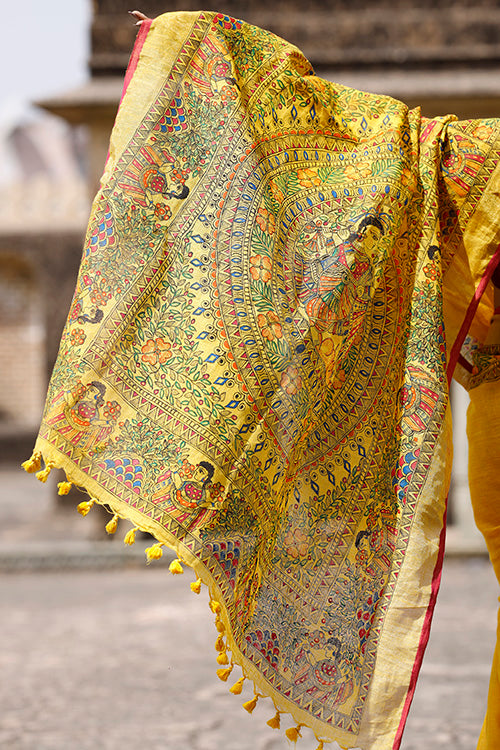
(43, 212)
(442, 55)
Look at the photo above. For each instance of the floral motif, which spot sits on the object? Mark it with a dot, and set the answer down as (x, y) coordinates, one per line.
(98, 295)
(317, 639)
(77, 337)
(270, 326)
(338, 379)
(265, 220)
(156, 351)
(186, 469)
(112, 410)
(260, 267)
(216, 491)
(483, 132)
(162, 211)
(355, 171)
(308, 177)
(278, 194)
(295, 542)
(291, 380)
(430, 271)
(76, 310)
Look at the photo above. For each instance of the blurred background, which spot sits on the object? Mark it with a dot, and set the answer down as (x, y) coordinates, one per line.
(63, 64)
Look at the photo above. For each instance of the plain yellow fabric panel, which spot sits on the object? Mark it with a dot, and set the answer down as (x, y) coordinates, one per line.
(489, 738)
(483, 427)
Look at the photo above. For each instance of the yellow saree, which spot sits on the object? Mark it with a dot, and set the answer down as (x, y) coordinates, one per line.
(277, 279)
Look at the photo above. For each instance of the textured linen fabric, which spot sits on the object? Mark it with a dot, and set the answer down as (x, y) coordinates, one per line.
(276, 282)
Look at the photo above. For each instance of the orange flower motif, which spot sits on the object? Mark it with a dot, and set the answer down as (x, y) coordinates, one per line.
(260, 267)
(276, 191)
(270, 326)
(327, 347)
(265, 220)
(338, 379)
(77, 337)
(355, 171)
(295, 543)
(483, 132)
(186, 470)
(291, 380)
(156, 351)
(308, 177)
(112, 410)
(430, 271)
(98, 297)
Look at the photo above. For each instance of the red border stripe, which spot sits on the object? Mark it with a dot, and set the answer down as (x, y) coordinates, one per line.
(471, 311)
(136, 51)
(134, 59)
(424, 635)
(436, 576)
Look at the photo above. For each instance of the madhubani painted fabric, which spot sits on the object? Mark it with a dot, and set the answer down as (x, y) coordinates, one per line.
(277, 274)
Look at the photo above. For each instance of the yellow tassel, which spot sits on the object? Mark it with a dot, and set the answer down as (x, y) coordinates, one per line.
(196, 586)
(154, 552)
(176, 568)
(43, 475)
(112, 525)
(237, 687)
(220, 626)
(34, 463)
(222, 658)
(64, 487)
(219, 643)
(223, 674)
(320, 746)
(83, 508)
(274, 723)
(293, 733)
(250, 705)
(215, 607)
(130, 536)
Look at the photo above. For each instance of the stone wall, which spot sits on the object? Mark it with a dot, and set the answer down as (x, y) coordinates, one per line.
(333, 33)
(37, 278)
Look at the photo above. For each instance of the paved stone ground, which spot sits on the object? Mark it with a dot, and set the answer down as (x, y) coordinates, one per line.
(113, 657)
(121, 660)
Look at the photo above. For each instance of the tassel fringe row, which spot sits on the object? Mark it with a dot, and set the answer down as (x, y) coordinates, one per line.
(176, 568)
(34, 463)
(34, 466)
(195, 586)
(250, 705)
(64, 487)
(274, 723)
(84, 508)
(237, 687)
(130, 536)
(112, 525)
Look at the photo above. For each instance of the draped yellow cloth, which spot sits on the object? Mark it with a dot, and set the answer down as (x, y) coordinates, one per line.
(276, 282)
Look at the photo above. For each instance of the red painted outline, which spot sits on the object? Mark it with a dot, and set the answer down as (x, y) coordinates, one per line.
(436, 576)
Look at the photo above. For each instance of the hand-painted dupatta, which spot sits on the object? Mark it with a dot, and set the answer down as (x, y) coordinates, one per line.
(254, 367)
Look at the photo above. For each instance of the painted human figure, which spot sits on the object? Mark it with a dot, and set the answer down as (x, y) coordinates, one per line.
(187, 499)
(192, 493)
(320, 670)
(82, 417)
(336, 284)
(334, 276)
